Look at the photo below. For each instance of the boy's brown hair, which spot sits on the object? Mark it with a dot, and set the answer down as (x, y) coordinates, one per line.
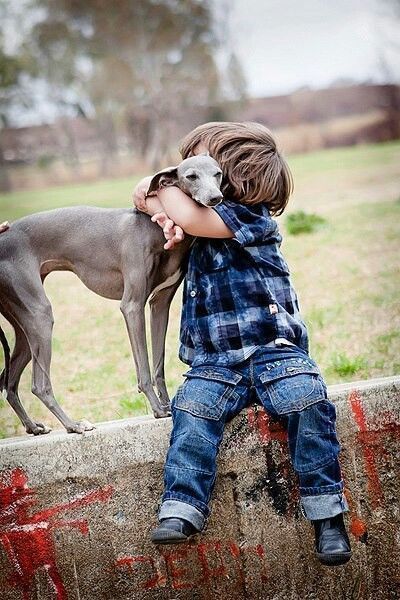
(254, 171)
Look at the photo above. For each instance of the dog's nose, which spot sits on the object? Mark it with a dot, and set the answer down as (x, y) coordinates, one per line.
(215, 201)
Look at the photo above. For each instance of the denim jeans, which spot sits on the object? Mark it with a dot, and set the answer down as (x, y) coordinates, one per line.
(288, 384)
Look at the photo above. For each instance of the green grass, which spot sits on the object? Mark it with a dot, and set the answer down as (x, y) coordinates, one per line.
(346, 273)
(333, 160)
(107, 193)
(301, 222)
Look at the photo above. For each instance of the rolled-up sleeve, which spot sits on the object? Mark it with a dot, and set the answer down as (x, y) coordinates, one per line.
(249, 224)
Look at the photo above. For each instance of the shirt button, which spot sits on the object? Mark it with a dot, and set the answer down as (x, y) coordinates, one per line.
(193, 293)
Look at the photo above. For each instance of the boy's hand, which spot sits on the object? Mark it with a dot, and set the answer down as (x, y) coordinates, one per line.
(172, 233)
(139, 193)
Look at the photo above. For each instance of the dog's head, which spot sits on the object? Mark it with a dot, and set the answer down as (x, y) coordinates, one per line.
(198, 176)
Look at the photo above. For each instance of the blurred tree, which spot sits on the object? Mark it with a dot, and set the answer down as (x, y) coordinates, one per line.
(140, 65)
(9, 74)
(12, 68)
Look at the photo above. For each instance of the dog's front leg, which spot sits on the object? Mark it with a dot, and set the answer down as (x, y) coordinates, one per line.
(133, 310)
(159, 313)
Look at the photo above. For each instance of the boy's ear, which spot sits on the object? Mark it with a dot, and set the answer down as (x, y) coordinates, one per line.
(164, 178)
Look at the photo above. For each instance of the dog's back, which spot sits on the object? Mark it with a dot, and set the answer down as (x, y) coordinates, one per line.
(75, 233)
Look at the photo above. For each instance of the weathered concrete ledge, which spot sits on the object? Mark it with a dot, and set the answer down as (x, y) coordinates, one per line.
(76, 511)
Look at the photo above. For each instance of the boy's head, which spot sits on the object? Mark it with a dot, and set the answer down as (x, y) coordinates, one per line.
(254, 170)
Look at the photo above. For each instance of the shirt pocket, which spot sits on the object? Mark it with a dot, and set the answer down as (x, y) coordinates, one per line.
(293, 384)
(206, 391)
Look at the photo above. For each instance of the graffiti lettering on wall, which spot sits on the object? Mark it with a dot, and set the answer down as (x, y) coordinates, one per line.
(195, 565)
(26, 535)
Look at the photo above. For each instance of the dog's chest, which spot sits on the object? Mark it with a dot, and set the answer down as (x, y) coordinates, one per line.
(171, 280)
(172, 266)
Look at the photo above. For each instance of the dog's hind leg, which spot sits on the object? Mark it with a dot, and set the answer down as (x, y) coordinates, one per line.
(36, 321)
(20, 357)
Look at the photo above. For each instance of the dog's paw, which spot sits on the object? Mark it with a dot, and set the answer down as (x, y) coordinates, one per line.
(38, 429)
(80, 427)
(162, 412)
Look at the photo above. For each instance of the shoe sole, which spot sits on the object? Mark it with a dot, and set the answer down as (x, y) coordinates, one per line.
(168, 536)
(332, 560)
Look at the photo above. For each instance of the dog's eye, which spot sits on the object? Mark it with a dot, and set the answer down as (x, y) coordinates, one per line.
(218, 174)
(192, 176)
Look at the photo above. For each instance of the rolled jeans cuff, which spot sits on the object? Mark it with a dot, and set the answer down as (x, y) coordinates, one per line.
(323, 506)
(182, 510)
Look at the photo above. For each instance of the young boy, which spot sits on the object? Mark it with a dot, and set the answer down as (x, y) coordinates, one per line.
(243, 336)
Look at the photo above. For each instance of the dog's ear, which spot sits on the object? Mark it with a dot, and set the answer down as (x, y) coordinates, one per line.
(164, 178)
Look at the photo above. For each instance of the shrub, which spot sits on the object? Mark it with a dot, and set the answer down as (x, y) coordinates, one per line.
(301, 222)
(344, 365)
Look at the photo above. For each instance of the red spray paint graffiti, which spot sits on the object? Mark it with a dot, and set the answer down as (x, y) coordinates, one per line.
(366, 439)
(26, 538)
(157, 579)
(194, 565)
(370, 439)
(266, 428)
(283, 492)
(369, 436)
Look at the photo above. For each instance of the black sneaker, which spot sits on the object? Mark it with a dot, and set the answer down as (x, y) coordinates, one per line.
(332, 543)
(173, 531)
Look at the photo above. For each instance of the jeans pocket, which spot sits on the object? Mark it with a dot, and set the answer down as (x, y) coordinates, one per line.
(206, 391)
(293, 384)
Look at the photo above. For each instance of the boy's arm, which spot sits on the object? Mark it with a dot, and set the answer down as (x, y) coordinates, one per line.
(196, 220)
(147, 204)
(153, 207)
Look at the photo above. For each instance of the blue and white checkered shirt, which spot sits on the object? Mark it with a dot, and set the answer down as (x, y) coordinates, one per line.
(237, 294)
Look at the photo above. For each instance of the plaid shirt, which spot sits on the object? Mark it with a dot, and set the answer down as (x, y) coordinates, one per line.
(237, 293)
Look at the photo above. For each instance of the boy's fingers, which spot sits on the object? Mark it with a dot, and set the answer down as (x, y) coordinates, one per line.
(160, 219)
(177, 237)
(179, 233)
(139, 201)
(172, 233)
(168, 225)
(158, 216)
(168, 233)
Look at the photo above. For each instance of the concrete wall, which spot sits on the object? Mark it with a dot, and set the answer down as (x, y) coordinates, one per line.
(76, 511)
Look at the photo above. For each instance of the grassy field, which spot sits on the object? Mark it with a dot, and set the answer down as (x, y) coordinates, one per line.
(346, 274)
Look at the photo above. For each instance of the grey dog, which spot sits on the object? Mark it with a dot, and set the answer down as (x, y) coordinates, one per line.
(116, 253)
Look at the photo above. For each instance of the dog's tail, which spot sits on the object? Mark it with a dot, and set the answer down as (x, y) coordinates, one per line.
(5, 374)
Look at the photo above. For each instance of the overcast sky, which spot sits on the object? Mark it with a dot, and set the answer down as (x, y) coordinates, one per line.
(285, 44)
